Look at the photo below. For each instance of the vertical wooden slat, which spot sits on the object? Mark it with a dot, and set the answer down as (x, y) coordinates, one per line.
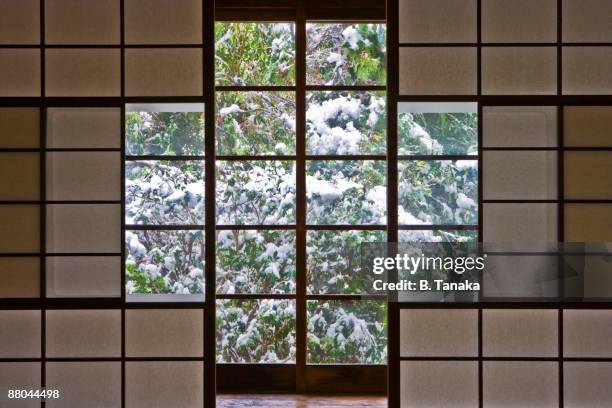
(393, 342)
(301, 307)
(208, 40)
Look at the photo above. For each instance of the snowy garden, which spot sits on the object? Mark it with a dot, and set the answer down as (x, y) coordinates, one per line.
(338, 192)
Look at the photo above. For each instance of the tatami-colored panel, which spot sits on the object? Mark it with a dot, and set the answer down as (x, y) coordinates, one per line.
(536, 222)
(588, 222)
(20, 21)
(163, 22)
(82, 72)
(519, 21)
(519, 175)
(19, 72)
(437, 21)
(519, 126)
(164, 333)
(437, 71)
(20, 277)
(587, 126)
(163, 72)
(519, 70)
(19, 128)
(19, 228)
(82, 22)
(587, 70)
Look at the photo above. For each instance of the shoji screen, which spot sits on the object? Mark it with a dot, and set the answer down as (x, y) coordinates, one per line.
(540, 72)
(68, 69)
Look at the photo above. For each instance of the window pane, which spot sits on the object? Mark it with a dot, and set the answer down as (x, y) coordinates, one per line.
(437, 128)
(255, 123)
(346, 192)
(438, 236)
(256, 331)
(164, 192)
(346, 123)
(164, 130)
(334, 261)
(346, 54)
(255, 53)
(347, 332)
(255, 192)
(164, 262)
(251, 261)
(438, 192)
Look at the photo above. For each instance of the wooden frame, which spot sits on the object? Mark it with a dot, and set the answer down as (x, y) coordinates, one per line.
(300, 377)
(43, 303)
(558, 100)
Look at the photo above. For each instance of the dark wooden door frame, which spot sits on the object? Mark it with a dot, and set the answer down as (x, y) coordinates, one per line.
(301, 377)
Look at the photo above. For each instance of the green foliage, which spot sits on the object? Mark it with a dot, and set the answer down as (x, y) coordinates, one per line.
(255, 192)
(347, 332)
(351, 192)
(255, 123)
(143, 282)
(255, 261)
(346, 122)
(333, 261)
(164, 133)
(437, 133)
(164, 192)
(259, 331)
(437, 236)
(439, 192)
(255, 53)
(346, 54)
(162, 262)
(346, 192)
